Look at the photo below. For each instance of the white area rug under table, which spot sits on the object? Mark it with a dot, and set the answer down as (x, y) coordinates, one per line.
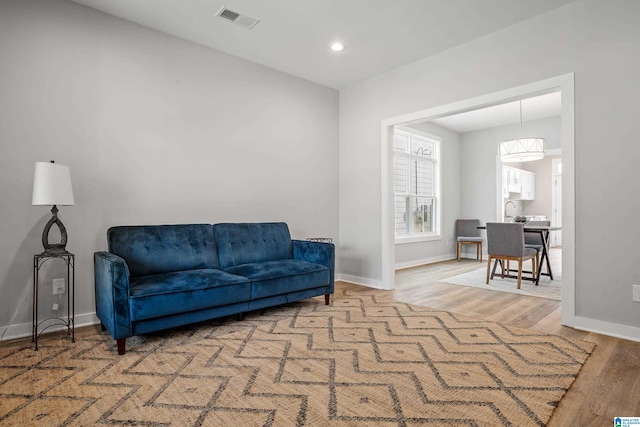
(550, 289)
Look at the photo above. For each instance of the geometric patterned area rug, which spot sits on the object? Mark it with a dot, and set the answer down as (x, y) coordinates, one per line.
(550, 289)
(360, 361)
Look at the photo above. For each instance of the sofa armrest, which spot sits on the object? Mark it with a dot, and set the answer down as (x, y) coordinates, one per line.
(112, 294)
(318, 252)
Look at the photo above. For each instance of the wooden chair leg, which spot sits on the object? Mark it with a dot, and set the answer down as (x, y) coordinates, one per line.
(519, 272)
(489, 268)
(458, 250)
(327, 298)
(121, 345)
(480, 250)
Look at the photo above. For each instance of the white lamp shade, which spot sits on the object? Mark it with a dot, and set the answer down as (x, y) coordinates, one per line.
(522, 150)
(52, 185)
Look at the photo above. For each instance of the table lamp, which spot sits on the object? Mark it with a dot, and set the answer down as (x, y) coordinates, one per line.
(52, 186)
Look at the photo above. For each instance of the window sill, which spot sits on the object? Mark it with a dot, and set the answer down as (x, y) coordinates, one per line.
(417, 239)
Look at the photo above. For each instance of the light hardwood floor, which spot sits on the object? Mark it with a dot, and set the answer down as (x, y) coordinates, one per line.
(608, 385)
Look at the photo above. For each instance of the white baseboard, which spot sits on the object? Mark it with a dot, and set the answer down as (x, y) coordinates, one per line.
(377, 284)
(424, 261)
(625, 332)
(23, 330)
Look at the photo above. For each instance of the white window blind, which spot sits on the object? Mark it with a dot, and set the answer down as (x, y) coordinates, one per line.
(415, 184)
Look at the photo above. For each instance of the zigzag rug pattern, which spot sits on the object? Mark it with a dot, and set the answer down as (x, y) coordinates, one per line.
(361, 361)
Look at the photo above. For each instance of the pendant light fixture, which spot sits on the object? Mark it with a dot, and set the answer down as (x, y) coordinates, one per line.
(521, 149)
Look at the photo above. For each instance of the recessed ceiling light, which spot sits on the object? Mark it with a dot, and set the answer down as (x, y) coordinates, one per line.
(337, 47)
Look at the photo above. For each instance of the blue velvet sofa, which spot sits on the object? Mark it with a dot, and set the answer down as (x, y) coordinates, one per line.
(157, 277)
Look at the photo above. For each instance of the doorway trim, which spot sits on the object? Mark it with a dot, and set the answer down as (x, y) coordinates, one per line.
(564, 84)
(554, 200)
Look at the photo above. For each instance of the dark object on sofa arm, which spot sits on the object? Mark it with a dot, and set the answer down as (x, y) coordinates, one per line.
(157, 277)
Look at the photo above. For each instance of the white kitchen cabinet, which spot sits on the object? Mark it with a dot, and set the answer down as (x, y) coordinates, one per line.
(518, 183)
(528, 189)
(515, 180)
(505, 182)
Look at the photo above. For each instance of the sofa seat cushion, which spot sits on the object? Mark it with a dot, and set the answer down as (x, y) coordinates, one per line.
(283, 276)
(183, 291)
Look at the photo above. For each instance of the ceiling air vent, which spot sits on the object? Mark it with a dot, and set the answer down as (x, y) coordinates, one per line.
(238, 18)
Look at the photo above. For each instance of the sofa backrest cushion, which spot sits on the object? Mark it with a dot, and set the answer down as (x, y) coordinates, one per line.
(157, 249)
(244, 243)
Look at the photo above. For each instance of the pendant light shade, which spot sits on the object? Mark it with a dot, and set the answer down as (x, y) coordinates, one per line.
(522, 149)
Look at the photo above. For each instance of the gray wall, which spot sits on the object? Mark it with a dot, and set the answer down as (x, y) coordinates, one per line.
(595, 40)
(155, 130)
(478, 161)
(469, 183)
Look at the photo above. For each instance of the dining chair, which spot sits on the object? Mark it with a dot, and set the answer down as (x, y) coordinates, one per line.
(505, 242)
(467, 233)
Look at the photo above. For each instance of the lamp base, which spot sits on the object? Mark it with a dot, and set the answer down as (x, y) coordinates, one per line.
(54, 248)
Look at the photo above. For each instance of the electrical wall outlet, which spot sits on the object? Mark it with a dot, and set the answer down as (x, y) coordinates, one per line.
(636, 292)
(55, 307)
(58, 286)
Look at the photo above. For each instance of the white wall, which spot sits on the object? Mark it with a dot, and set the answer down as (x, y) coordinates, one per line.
(155, 130)
(598, 42)
(412, 254)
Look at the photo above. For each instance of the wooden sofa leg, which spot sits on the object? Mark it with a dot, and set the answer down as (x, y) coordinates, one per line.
(327, 297)
(120, 346)
(102, 328)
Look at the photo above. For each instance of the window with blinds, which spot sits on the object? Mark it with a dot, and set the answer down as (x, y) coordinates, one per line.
(415, 184)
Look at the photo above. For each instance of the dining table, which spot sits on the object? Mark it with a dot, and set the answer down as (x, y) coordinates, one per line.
(544, 231)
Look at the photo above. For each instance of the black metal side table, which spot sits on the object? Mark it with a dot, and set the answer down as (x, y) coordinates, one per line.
(38, 261)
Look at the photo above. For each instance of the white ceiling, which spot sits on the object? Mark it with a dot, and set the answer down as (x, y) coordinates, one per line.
(293, 36)
(538, 107)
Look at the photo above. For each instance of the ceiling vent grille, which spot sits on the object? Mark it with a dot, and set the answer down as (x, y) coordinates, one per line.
(238, 18)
